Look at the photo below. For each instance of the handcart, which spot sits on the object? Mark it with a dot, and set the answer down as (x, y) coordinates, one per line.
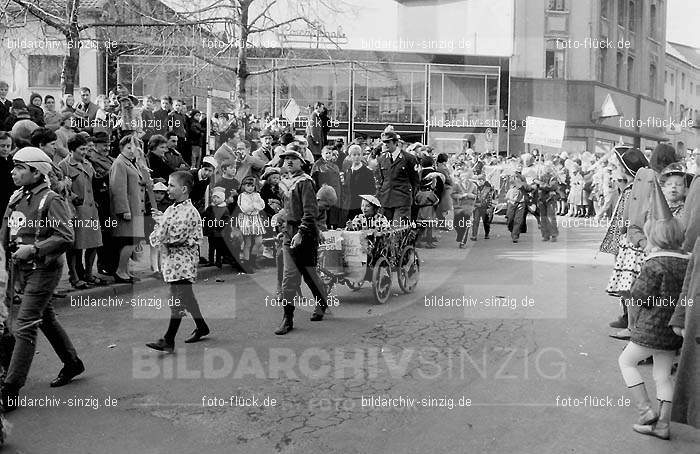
(371, 256)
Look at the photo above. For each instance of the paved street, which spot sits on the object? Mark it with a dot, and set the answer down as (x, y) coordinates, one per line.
(484, 379)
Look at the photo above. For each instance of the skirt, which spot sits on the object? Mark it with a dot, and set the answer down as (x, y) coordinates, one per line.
(250, 224)
(628, 264)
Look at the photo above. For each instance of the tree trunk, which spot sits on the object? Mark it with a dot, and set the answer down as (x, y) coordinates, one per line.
(242, 59)
(70, 65)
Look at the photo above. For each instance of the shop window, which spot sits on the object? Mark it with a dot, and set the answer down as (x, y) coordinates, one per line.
(45, 71)
(554, 61)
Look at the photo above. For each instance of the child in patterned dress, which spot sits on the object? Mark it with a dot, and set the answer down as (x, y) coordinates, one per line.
(250, 223)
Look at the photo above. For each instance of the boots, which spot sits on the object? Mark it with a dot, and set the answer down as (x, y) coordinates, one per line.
(662, 427)
(646, 414)
(319, 312)
(286, 326)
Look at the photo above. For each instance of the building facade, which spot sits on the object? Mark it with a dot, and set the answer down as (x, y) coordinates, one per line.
(682, 94)
(583, 61)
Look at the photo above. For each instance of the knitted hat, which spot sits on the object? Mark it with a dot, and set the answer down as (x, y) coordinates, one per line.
(219, 190)
(32, 96)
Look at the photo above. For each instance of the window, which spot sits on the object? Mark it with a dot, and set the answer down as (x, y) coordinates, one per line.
(630, 74)
(600, 70)
(682, 81)
(45, 71)
(554, 61)
(691, 89)
(604, 8)
(555, 5)
(673, 79)
(682, 116)
(671, 111)
(631, 19)
(621, 12)
(697, 90)
(652, 80)
(652, 22)
(665, 77)
(618, 79)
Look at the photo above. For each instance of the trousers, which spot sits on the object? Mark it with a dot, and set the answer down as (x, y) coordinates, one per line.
(663, 362)
(36, 312)
(300, 262)
(183, 297)
(547, 210)
(481, 214)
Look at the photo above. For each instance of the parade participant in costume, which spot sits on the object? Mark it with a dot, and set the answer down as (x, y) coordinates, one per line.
(36, 231)
(370, 218)
(300, 241)
(686, 320)
(545, 185)
(464, 193)
(88, 237)
(625, 164)
(631, 255)
(425, 202)
(483, 206)
(517, 197)
(160, 192)
(654, 294)
(396, 179)
(177, 233)
(250, 222)
(215, 219)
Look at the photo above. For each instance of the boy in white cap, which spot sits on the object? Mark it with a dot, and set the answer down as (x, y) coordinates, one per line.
(36, 231)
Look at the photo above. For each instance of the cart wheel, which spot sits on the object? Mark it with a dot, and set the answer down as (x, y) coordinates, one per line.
(328, 281)
(408, 270)
(381, 280)
(355, 286)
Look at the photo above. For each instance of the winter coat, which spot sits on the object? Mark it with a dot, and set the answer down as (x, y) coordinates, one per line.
(356, 183)
(396, 181)
(87, 235)
(655, 293)
(637, 208)
(36, 114)
(127, 195)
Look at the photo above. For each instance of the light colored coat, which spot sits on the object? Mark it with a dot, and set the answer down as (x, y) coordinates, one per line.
(127, 195)
(86, 225)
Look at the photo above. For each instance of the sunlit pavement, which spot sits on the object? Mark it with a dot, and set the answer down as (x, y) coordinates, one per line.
(492, 375)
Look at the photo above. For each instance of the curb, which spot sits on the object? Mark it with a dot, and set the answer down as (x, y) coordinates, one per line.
(145, 284)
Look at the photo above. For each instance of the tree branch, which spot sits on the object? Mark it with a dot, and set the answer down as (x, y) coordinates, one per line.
(44, 16)
(284, 68)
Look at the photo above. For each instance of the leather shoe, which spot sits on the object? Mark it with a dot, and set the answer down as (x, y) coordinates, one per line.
(620, 323)
(8, 397)
(162, 346)
(67, 374)
(317, 316)
(285, 327)
(197, 335)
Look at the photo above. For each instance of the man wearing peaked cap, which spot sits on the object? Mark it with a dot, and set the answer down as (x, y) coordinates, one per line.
(36, 266)
(396, 178)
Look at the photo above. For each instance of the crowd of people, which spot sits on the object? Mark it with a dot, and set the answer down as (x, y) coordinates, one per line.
(98, 182)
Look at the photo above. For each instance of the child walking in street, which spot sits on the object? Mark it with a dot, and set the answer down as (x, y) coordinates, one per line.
(177, 233)
(250, 223)
(160, 191)
(654, 293)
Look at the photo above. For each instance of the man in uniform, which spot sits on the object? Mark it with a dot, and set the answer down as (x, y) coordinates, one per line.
(36, 230)
(397, 179)
(300, 240)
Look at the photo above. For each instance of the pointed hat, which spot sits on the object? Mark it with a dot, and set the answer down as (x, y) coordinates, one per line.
(658, 209)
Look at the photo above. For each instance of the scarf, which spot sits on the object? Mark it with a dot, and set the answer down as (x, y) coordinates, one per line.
(287, 185)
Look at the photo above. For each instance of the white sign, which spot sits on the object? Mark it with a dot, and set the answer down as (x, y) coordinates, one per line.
(544, 131)
(608, 109)
(291, 111)
(219, 93)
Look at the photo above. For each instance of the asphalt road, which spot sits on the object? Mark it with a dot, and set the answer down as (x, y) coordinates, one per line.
(492, 375)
